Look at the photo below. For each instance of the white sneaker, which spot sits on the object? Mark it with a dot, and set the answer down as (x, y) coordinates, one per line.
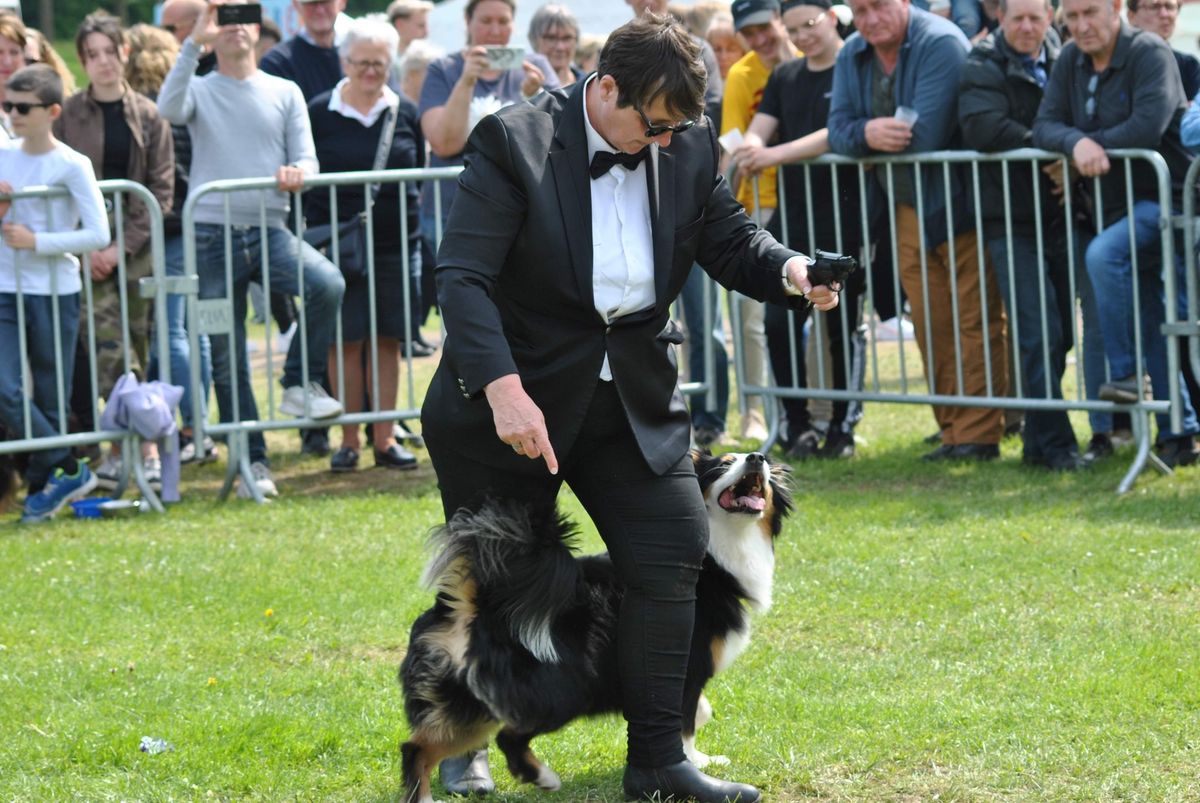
(152, 468)
(187, 453)
(262, 480)
(320, 403)
(108, 472)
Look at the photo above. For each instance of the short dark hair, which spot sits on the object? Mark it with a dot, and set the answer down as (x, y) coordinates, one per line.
(38, 79)
(471, 5)
(103, 23)
(651, 56)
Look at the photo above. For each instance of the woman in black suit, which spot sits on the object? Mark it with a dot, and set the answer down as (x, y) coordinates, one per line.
(576, 223)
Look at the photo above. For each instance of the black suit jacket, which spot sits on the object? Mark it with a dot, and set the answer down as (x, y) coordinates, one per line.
(514, 280)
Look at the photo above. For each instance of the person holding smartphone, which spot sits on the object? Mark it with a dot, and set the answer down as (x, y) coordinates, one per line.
(462, 88)
(246, 124)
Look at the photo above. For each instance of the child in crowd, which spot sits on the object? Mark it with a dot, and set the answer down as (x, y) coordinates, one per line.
(40, 280)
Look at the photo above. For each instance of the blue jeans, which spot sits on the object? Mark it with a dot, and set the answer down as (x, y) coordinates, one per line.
(1042, 332)
(179, 348)
(323, 290)
(1095, 363)
(1110, 266)
(44, 421)
(693, 320)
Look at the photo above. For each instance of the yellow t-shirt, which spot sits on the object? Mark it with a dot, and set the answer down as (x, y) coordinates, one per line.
(743, 92)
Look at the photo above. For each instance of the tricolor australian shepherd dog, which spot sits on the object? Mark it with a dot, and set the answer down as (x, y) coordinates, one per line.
(522, 637)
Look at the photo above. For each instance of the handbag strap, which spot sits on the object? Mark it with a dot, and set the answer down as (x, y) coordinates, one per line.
(385, 145)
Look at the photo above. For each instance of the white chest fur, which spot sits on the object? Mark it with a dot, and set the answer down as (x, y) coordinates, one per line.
(740, 545)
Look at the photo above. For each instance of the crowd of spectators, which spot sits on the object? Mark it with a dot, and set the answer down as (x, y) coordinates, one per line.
(189, 101)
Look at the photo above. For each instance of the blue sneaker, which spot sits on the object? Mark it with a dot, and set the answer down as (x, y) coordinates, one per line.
(59, 492)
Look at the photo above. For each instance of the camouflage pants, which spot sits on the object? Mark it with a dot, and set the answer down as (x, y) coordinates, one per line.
(114, 354)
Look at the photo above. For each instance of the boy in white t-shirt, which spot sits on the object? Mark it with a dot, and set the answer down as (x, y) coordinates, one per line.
(39, 279)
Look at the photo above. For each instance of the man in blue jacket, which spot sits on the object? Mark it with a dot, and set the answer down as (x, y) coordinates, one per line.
(905, 57)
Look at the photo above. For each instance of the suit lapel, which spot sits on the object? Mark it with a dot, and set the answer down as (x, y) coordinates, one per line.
(569, 162)
(661, 180)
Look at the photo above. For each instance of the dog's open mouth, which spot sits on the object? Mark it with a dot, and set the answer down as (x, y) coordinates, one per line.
(744, 496)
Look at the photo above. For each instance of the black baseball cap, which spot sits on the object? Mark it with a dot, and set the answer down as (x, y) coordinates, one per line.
(753, 12)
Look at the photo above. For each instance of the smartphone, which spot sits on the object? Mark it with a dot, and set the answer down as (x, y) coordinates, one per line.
(504, 58)
(239, 14)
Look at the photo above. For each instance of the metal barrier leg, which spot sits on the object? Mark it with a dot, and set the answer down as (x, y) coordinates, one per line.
(1140, 420)
(237, 464)
(134, 444)
(234, 451)
(126, 464)
(771, 410)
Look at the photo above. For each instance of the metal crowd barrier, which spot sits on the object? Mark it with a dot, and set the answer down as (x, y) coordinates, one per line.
(150, 287)
(899, 385)
(1190, 327)
(215, 316)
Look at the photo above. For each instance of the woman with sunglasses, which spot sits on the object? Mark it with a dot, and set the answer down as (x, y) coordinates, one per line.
(578, 220)
(38, 50)
(462, 88)
(122, 134)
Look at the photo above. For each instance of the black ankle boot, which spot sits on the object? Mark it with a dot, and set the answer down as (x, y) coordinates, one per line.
(684, 782)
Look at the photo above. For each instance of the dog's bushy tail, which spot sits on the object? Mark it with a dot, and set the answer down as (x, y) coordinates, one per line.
(521, 560)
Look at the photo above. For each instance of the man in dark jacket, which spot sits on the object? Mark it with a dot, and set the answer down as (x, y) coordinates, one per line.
(1160, 16)
(1116, 86)
(1000, 91)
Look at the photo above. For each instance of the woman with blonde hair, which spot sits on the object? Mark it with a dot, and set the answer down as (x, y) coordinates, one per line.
(727, 43)
(152, 52)
(12, 58)
(38, 50)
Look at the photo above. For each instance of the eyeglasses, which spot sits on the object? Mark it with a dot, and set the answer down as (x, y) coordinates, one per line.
(363, 66)
(564, 39)
(22, 108)
(812, 23)
(653, 130)
(1089, 106)
(1158, 8)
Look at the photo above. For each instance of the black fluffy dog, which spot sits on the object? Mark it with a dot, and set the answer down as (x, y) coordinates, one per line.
(521, 639)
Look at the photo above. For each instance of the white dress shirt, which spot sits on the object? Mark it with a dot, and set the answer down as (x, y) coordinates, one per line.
(622, 245)
(338, 105)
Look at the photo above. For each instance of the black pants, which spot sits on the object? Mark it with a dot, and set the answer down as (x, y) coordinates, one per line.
(656, 530)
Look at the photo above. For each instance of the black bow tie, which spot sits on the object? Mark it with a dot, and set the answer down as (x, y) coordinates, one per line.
(603, 161)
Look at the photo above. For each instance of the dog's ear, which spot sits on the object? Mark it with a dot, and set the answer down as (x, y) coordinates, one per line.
(781, 495)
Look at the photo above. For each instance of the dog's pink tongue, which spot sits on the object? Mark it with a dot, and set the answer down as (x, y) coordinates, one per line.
(726, 499)
(752, 502)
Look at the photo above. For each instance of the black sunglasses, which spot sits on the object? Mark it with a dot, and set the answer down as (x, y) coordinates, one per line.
(653, 130)
(22, 108)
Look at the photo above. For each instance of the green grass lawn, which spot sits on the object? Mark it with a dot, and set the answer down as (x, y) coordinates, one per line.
(966, 633)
